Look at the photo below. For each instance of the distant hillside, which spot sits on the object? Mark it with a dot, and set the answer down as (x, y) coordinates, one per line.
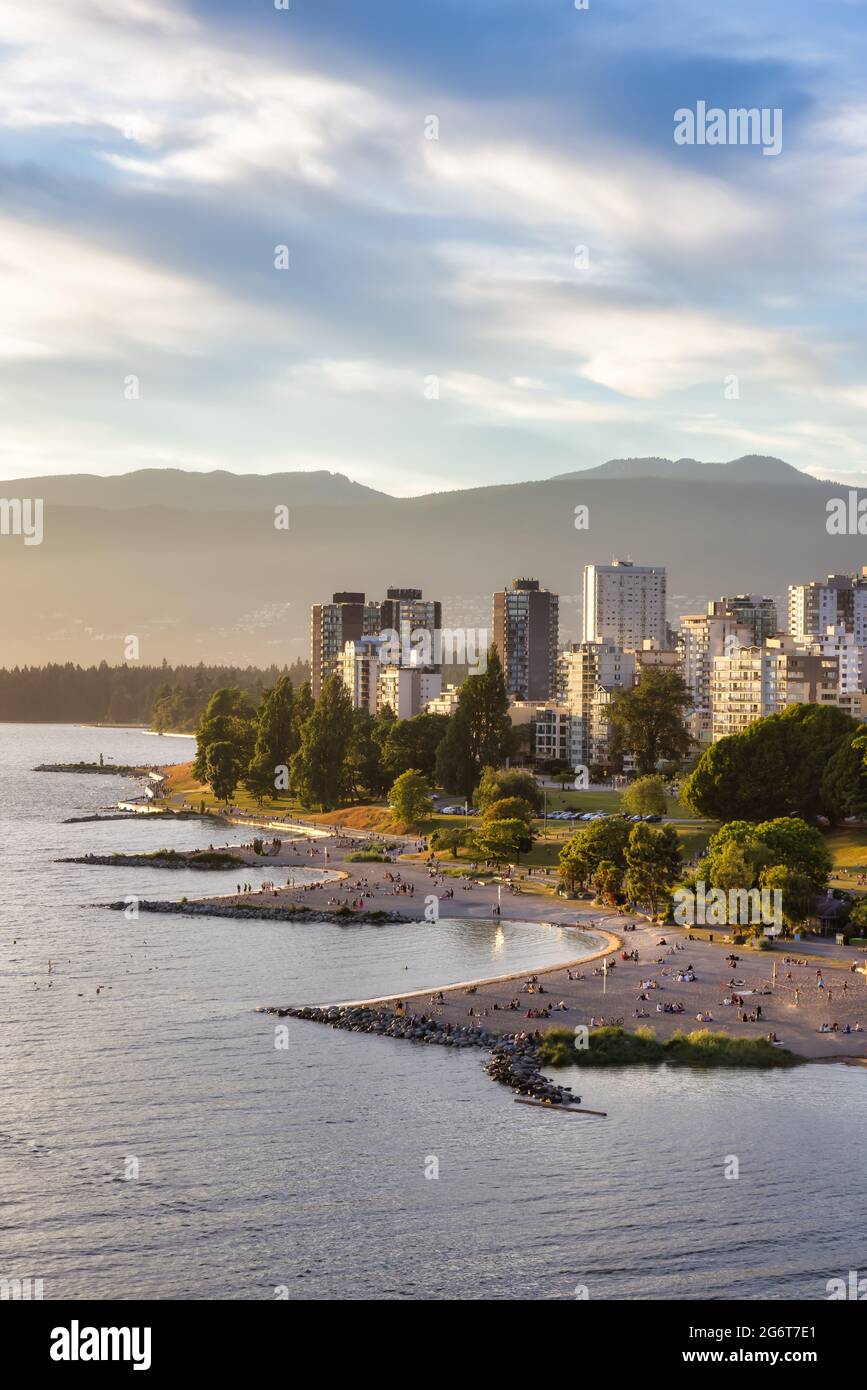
(214, 491)
(752, 468)
(193, 566)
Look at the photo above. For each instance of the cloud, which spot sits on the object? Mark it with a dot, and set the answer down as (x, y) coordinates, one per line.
(63, 296)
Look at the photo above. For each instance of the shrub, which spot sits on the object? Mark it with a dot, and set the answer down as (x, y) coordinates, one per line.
(614, 1047)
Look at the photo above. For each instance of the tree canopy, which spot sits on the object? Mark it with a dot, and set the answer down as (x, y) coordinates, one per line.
(647, 719)
(774, 768)
(479, 733)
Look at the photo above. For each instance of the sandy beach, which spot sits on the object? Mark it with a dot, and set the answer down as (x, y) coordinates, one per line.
(792, 1005)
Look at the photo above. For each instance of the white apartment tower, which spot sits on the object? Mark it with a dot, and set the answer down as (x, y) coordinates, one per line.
(624, 604)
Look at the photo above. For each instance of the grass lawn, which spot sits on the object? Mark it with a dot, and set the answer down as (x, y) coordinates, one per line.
(376, 817)
(848, 846)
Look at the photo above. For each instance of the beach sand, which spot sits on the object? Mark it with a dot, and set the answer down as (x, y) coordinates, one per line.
(796, 1018)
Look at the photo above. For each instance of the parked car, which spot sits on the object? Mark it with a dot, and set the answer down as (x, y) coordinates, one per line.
(653, 818)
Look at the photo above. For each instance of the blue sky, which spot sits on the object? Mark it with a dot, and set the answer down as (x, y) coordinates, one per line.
(435, 327)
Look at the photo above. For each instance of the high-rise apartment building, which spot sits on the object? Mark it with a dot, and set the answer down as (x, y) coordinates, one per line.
(759, 614)
(850, 657)
(346, 618)
(526, 630)
(360, 667)
(838, 601)
(750, 682)
(703, 637)
(413, 625)
(407, 690)
(624, 604)
(587, 673)
(417, 623)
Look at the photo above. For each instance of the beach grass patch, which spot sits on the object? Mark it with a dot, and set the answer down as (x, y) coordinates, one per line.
(617, 1047)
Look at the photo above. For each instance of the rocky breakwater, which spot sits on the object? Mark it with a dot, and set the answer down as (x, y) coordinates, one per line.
(263, 912)
(515, 1062)
(514, 1059)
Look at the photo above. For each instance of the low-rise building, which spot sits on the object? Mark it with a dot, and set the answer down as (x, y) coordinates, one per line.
(407, 690)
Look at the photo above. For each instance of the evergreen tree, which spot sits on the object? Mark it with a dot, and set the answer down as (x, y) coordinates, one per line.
(479, 733)
(319, 770)
(276, 741)
(653, 864)
(228, 718)
(647, 719)
(366, 773)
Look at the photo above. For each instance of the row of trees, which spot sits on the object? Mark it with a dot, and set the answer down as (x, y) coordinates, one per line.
(644, 863)
(617, 859)
(325, 752)
(322, 752)
(170, 697)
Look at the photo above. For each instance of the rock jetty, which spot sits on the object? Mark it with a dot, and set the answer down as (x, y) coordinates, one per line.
(261, 911)
(515, 1060)
(163, 859)
(103, 769)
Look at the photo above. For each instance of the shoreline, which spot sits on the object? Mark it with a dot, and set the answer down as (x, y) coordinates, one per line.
(646, 993)
(613, 943)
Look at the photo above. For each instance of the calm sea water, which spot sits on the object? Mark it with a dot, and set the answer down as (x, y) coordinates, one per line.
(305, 1168)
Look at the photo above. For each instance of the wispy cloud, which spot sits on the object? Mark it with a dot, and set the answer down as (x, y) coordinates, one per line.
(153, 154)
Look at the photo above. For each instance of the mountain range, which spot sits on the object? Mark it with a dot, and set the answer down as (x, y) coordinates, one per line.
(194, 566)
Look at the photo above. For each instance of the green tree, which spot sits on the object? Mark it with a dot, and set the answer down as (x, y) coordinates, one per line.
(276, 736)
(498, 783)
(732, 868)
(645, 796)
(319, 770)
(858, 915)
(223, 770)
(449, 839)
(276, 742)
(647, 720)
(774, 768)
(797, 894)
(503, 840)
(607, 881)
(601, 840)
(843, 790)
(410, 798)
(365, 769)
(302, 708)
(479, 733)
(413, 743)
(228, 718)
(653, 865)
(509, 808)
(260, 780)
(786, 841)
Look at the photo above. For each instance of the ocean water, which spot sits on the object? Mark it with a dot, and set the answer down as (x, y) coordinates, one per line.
(154, 1142)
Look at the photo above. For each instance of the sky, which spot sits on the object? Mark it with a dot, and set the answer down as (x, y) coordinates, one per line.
(501, 266)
